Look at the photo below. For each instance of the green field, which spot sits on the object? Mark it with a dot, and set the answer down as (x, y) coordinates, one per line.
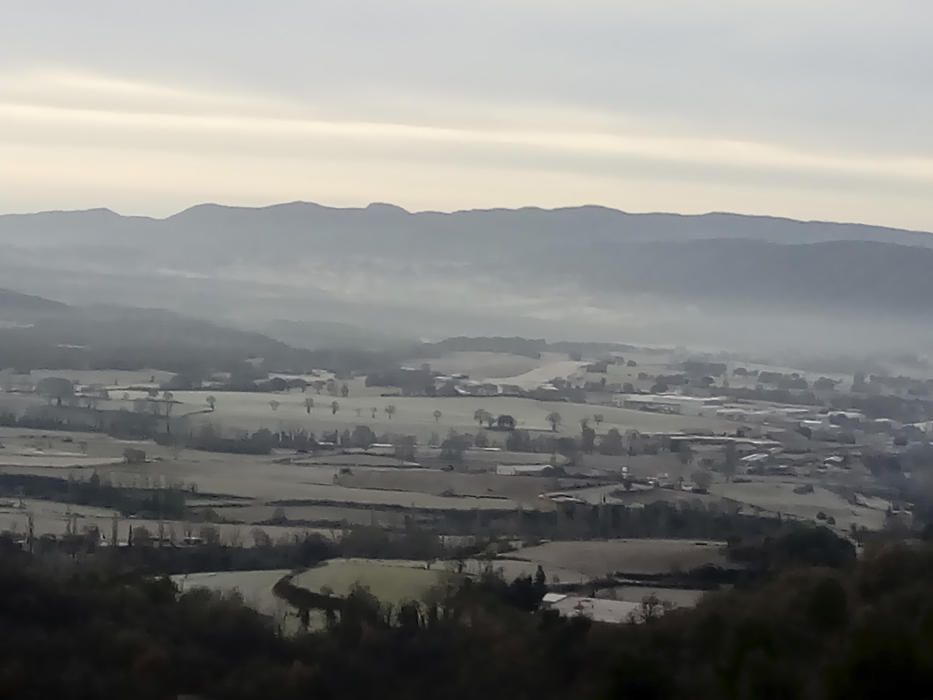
(390, 581)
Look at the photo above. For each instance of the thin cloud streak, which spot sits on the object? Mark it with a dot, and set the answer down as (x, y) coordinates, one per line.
(202, 114)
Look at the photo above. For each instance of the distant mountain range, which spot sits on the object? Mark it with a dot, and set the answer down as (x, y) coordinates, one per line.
(321, 223)
(308, 262)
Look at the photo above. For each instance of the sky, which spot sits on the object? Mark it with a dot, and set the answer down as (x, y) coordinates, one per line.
(813, 110)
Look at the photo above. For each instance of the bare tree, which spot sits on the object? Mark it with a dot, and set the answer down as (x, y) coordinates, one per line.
(390, 410)
(55, 389)
(210, 535)
(261, 537)
(169, 399)
(730, 460)
(554, 419)
(274, 405)
(437, 415)
(651, 609)
(211, 402)
(404, 448)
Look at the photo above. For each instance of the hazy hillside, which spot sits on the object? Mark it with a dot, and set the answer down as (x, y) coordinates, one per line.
(48, 334)
(529, 271)
(14, 302)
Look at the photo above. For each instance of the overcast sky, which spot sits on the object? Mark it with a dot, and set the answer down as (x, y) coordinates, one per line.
(798, 108)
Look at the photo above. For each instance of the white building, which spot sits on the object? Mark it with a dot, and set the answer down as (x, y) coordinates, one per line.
(596, 609)
(524, 469)
(672, 403)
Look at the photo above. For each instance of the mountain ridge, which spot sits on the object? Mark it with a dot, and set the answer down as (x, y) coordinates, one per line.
(482, 271)
(387, 207)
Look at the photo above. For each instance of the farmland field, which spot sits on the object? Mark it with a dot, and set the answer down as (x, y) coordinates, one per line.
(679, 597)
(597, 558)
(525, 489)
(511, 568)
(349, 514)
(56, 461)
(51, 518)
(489, 365)
(285, 483)
(415, 415)
(776, 496)
(249, 411)
(534, 378)
(255, 587)
(390, 581)
(263, 477)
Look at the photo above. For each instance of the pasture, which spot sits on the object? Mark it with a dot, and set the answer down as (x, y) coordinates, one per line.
(390, 581)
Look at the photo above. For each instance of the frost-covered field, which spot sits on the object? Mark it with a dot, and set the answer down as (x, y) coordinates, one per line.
(414, 415)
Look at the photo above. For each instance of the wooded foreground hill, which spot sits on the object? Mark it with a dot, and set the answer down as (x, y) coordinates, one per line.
(853, 632)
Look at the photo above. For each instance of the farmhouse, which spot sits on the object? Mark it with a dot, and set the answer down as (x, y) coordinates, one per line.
(562, 498)
(761, 413)
(743, 445)
(477, 389)
(525, 469)
(596, 609)
(671, 403)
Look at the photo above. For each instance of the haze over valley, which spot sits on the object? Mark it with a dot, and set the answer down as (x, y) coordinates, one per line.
(715, 281)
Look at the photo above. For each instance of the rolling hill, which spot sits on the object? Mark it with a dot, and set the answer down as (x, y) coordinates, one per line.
(49, 334)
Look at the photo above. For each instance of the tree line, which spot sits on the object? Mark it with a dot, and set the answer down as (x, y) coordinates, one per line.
(844, 630)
